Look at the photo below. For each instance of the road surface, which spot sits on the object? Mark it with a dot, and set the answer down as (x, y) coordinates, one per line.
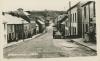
(45, 46)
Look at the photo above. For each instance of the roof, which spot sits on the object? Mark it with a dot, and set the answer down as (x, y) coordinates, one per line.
(26, 13)
(18, 14)
(63, 18)
(73, 6)
(63, 22)
(37, 25)
(88, 2)
(40, 18)
(13, 20)
(39, 21)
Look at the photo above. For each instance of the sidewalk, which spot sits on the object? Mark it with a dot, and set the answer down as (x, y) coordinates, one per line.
(14, 43)
(89, 45)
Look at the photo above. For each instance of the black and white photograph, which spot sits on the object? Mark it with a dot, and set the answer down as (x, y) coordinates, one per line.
(37, 29)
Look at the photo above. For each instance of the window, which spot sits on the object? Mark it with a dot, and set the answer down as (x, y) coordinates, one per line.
(86, 27)
(71, 30)
(4, 26)
(85, 12)
(75, 17)
(83, 27)
(11, 28)
(94, 9)
(75, 30)
(71, 18)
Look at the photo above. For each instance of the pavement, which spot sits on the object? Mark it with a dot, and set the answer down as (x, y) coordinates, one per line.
(90, 45)
(19, 41)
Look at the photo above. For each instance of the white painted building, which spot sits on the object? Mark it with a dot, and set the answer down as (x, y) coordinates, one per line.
(75, 20)
(8, 20)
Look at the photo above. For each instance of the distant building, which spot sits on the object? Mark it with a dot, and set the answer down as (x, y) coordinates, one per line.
(41, 24)
(60, 24)
(67, 27)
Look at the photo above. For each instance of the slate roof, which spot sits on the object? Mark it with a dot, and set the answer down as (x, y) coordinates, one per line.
(19, 14)
(88, 2)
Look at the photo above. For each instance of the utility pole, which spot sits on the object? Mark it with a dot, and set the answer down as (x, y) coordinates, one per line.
(23, 29)
(70, 16)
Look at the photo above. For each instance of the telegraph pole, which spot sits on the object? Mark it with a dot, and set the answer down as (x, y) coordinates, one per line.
(70, 16)
(23, 29)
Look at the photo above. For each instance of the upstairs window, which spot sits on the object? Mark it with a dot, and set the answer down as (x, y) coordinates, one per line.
(85, 12)
(71, 18)
(94, 9)
(75, 17)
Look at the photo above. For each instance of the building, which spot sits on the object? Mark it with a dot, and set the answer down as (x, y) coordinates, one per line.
(3, 30)
(62, 25)
(17, 25)
(88, 18)
(14, 27)
(67, 29)
(59, 20)
(33, 26)
(75, 20)
(41, 24)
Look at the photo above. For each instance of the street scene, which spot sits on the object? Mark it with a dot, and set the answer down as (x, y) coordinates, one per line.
(50, 33)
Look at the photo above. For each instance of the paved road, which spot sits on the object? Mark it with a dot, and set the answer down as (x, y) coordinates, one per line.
(46, 47)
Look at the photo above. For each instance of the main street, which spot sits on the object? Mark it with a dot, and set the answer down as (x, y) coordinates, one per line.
(45, 46)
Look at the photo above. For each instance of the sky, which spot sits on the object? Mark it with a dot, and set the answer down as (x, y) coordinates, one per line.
(59, 5)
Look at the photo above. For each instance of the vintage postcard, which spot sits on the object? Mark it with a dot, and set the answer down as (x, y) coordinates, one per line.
(49, 29)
